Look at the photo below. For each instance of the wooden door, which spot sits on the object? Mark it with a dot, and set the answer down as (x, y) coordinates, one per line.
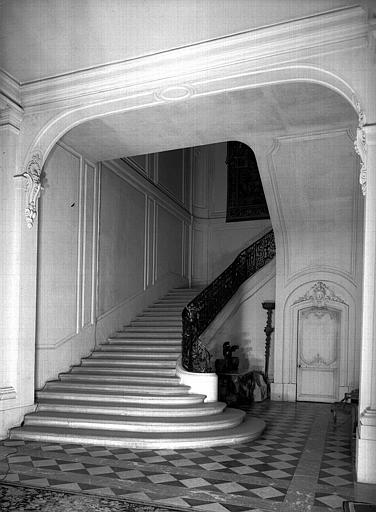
(318, 354)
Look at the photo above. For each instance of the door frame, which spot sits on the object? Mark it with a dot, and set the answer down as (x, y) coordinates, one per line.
(336, 371)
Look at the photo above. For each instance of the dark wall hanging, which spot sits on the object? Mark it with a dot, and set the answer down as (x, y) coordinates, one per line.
(245, 195)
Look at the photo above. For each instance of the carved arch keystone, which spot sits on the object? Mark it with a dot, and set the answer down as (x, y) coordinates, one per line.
(33, 185)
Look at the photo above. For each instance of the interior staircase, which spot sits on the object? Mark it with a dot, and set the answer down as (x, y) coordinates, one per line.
(127, 394)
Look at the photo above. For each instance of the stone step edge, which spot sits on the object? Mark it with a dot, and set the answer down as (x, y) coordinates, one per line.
(250, 429)
(134, 378)
(114, 386)
(129, 371)
(131, 409)
(227, 419)
(87, 395)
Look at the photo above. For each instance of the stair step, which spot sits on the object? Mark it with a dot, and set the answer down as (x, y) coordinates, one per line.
(145, 348)
(168, 314)
(250, 429)
(120, 338)
(126, 356)
(160, 335)
(119, 377)
(74, 394)
(148, 330)
(171, 303)
(228, 419)
(128, 362)
(117, 387)
(159, 323)
(165, 307)
(147, 410)
(100, 369)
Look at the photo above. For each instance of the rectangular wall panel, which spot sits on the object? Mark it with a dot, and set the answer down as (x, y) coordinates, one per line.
(58, 252)
(169, 243)
(122, 241)
(171, 172)
(88, 245)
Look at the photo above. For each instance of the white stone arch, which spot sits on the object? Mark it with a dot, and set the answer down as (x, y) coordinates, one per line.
(41, 132)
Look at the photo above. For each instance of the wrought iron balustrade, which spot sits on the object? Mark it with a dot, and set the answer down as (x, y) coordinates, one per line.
(202, 310)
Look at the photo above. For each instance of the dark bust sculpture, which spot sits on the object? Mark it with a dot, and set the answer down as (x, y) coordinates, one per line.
(229, 363)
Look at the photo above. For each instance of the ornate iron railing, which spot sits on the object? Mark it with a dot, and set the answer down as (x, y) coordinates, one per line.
(202, 310)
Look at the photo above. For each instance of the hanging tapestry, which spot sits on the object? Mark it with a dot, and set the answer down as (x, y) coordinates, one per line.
(245, 195)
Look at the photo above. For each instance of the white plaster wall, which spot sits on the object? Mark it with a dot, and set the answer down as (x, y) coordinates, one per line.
(169, 243)
(122, 241)
(171, 172)
(66, 262)
(317, 212)
(111, 241)
(144, 245)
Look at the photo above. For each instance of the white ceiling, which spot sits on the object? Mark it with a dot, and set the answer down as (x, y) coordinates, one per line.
(276, 109)
(44, 38)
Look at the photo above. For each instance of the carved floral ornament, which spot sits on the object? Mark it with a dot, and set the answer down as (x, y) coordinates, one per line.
(361, 146)
(319, 295)
(33, 186)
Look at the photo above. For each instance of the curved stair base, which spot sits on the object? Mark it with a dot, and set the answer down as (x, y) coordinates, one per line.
(250, 429)
(129, 394)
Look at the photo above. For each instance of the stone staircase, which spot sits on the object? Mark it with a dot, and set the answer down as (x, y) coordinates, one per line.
(127, 394)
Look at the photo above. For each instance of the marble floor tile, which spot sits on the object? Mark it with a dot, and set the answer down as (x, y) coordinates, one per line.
(300, 459)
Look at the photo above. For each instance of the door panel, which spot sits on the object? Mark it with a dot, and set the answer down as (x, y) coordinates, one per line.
(318, 354)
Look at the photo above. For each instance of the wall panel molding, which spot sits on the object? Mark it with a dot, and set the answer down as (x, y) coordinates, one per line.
(149, 188)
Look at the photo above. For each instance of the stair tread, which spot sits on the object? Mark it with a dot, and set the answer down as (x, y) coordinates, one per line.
(139, 419)
(134, 370)
(159, 363)
(152, 348)
(62, 389)
(116, 385)
(172, 380)
(205, 406)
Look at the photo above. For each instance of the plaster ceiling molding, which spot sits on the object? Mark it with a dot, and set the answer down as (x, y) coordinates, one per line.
(319, 295)
(33, 185)
(175, 93)
(200, 63)
(360, 146)
(11, 114)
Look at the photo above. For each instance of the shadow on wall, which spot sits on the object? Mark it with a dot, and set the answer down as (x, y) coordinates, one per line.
(245, 352)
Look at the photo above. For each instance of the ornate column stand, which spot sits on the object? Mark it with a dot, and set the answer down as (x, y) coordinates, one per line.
(269, 329)
(366, 438)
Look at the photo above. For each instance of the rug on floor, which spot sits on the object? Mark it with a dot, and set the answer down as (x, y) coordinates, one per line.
(18, 498)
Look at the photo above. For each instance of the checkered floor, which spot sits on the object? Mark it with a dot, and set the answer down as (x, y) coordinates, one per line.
(302, 462)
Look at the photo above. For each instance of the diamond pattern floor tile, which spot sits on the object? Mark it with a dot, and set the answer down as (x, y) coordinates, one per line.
(229, 478)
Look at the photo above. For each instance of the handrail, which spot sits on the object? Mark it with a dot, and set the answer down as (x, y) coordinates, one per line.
(202, 310)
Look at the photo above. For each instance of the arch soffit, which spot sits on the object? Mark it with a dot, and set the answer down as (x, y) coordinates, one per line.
(57, 126)
(52, 131)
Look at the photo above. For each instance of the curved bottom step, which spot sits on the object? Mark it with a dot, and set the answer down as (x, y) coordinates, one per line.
(230, 418)
(250, 429)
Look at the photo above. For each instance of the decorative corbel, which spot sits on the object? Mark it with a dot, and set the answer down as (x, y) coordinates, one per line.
(33, 186)
(361, 147)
